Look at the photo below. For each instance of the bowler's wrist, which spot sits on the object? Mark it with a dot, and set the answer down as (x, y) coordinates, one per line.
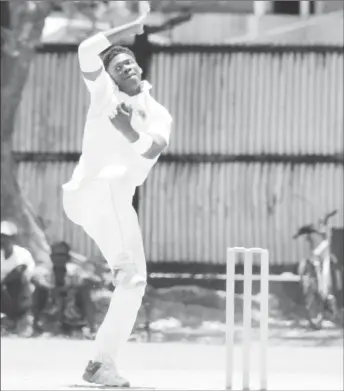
(132, 135)
(128, 132)
(143, 143)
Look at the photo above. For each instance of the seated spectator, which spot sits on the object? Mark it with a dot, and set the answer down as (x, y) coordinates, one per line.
(80, 309)
(67, 307)
(17, 267)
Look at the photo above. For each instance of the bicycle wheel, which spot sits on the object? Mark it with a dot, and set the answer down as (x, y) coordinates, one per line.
(313, 301)
(333, 301)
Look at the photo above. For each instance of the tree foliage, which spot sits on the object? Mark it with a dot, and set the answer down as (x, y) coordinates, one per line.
(22, 25)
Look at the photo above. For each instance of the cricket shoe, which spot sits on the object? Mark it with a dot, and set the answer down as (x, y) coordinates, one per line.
(104, 374)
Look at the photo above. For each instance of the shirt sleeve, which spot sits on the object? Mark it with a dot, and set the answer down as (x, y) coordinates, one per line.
(161, 125)
(97, 80)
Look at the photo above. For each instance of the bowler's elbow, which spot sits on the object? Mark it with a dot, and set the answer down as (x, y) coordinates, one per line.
(85, 46)
(83, 51)
(90, 64)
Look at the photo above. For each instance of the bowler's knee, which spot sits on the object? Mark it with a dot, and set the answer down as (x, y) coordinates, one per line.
(135, 287)
(128, 277)
(140, 287)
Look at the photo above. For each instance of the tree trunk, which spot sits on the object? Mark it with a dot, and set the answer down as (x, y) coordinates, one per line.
(22, 25)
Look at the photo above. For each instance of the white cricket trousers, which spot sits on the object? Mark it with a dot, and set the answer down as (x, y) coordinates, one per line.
(104, 209)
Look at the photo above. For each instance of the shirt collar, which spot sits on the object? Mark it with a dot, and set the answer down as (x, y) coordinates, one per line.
(145, 87)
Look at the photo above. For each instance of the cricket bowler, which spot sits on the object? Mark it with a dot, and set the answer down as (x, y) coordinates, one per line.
(125, 132)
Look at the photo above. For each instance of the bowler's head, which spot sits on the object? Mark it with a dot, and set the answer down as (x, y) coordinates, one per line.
(121, 65)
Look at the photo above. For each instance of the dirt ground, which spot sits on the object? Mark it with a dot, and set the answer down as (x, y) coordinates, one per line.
(294, 363)
(186, 349)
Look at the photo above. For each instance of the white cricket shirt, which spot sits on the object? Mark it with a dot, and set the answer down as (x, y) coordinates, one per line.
(106, 153)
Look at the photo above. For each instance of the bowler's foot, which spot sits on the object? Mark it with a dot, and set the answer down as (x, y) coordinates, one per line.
(104, 374)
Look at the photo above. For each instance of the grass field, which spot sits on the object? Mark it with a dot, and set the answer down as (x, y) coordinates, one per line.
(58, 363)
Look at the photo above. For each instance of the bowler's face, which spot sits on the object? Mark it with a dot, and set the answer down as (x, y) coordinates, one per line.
(126, 73)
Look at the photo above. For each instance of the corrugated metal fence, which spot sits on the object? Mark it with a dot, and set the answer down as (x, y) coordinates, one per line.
(251, 101)
(256, 151)
(54, 105)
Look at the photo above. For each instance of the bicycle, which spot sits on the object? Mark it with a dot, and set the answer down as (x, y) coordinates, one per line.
(320, 274)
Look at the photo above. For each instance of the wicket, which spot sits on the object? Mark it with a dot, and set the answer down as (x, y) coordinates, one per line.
(230, 310)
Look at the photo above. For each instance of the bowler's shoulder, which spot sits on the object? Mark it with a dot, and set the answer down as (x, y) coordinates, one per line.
(160, 110)
(155, 106)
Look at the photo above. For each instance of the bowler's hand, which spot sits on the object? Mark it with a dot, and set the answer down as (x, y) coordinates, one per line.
(122, 121)
(125, 109)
